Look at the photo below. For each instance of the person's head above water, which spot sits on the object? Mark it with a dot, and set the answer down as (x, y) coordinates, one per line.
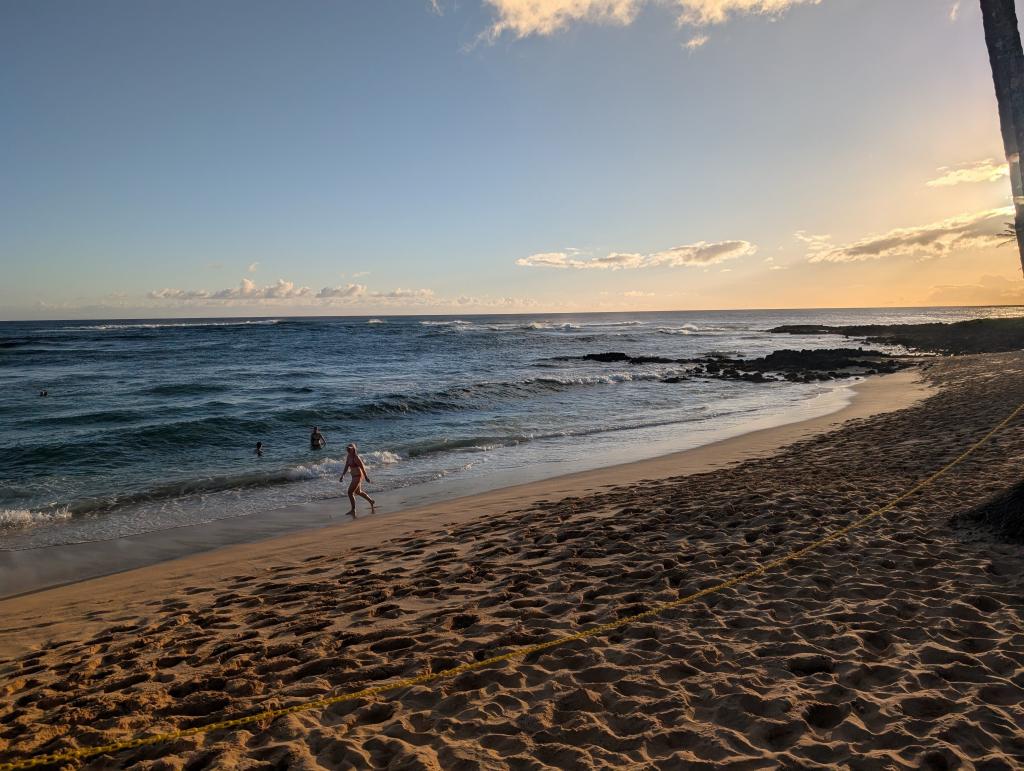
(351, 447)
(315, 429)
(258, 445)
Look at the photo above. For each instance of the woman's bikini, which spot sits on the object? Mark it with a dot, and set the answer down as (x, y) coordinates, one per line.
(354, 467)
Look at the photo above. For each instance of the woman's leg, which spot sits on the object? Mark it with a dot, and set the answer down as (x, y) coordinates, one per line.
(359, 491)
(352, 488)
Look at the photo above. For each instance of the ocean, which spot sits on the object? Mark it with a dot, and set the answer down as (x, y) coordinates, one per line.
(151, 425)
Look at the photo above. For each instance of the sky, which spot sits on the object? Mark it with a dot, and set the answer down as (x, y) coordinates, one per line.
(254, 157)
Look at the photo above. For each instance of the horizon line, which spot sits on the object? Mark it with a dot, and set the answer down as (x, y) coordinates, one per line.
(477, 314)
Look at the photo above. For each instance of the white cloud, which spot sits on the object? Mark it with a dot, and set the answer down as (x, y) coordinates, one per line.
(701, 12)
(349, 291)
(637, 293)
(522, 18)
(253, 266)
(494, 302)
(954, 11)
(618, 261)
(701, 253)
(815, 242)
(246, 290)
(404, 294)
(966, 231)
(698, 41)
(178, 294)
(548, 260)
(568, 259)
(543, 17)
(978, 171)
(287, 294)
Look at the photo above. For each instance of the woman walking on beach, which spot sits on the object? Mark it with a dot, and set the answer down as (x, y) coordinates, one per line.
(354, 464)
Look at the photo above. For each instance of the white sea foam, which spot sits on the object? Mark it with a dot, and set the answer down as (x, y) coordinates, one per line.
(685, 329)
(16, 518)
(376, 321)
(330, 467)
(566, 326)
(543, 325)
(609, 378)
(325, 468)
(178, 324)
(383, 457)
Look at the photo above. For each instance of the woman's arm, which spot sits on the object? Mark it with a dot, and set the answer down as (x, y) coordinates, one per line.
(362, 467)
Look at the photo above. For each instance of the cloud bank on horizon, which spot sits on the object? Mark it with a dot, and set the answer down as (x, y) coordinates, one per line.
(522, 18)
(700, 254)
(248, 293)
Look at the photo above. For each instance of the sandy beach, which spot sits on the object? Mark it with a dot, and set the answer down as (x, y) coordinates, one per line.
(901, 646)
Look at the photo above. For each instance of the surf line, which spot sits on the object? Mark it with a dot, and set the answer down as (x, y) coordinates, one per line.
(82, 753)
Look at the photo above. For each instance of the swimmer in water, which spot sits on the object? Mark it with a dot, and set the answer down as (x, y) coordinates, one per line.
(259, 449)
(316, 439)
(354, 464)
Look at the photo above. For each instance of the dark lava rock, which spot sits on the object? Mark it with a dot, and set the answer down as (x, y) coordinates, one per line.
(809, 365)
(606, 357)
(975, 336)
(616, 356)
(806, 366)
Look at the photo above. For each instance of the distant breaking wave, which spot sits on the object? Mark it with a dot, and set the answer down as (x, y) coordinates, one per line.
(459, 325)
(129, 440)
(175, 325)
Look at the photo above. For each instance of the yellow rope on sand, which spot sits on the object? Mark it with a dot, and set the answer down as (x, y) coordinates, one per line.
(82, 753)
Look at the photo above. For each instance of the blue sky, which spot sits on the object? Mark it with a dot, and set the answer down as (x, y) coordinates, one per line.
(255, 157)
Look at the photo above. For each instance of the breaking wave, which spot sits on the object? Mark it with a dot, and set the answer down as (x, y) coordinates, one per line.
(11, 519)
(176, 325)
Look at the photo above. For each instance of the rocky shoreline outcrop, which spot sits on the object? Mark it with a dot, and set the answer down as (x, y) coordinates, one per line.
(962, 337)
(803, 366)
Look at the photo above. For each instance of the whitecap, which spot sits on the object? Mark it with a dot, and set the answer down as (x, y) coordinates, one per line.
(18, 518)
(383, 457)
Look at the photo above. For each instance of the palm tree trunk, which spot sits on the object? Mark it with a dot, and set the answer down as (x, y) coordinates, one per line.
(1004, 50)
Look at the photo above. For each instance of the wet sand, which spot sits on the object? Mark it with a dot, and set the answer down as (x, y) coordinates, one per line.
(901, 646)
